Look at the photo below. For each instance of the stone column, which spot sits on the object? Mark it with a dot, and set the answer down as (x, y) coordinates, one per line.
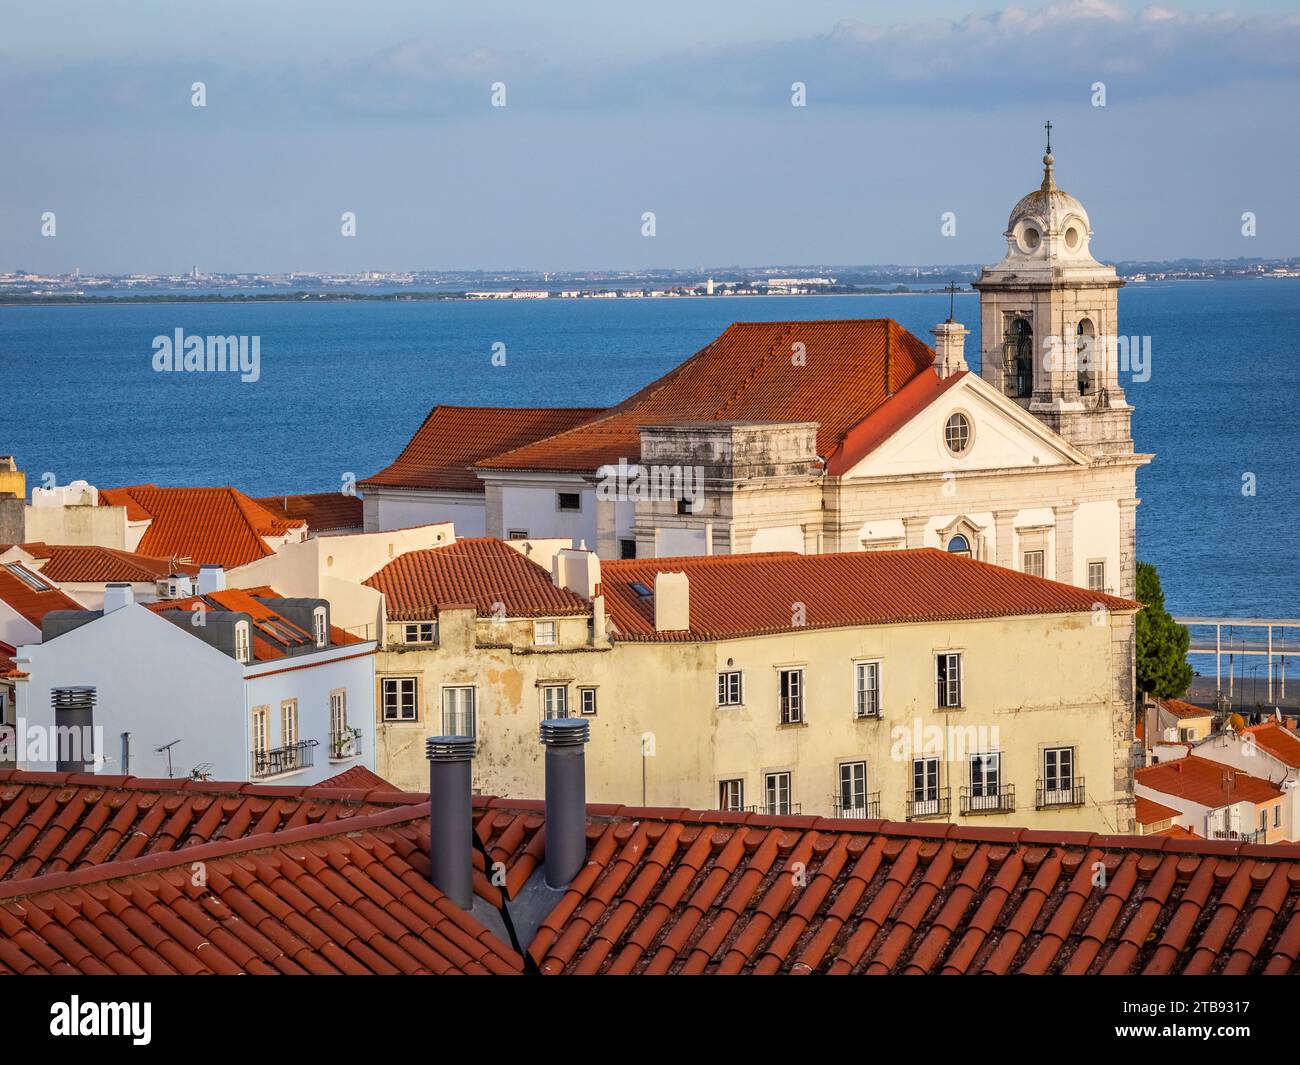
(494, 511)
(606, 529)
(1064, 514)
(914, 528)
(1128, 547)
(1004, 533)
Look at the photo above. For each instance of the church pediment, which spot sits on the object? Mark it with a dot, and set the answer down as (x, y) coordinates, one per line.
(966, 428)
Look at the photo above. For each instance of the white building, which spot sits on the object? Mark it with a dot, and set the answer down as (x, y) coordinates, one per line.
(228, 684)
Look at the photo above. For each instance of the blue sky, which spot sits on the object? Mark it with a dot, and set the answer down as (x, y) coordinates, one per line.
(682, 109)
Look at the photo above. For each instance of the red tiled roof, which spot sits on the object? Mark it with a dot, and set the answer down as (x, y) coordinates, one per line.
(1177, 832)
(60, 822)
(749, 595)
(7, 652)
(322, 511)
(208, 526)
(849, 370)
(1149, 811)
(274, 635)
(1204, 782)
(888, 418)
(481, 571)
(357, 777)
(26, 601)
(663, 891)
(452, 439)
(77, 563)
(1278, 741)
(1180, 708)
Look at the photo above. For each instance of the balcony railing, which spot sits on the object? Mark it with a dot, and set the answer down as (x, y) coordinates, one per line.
(774, 811)
(935, 803)
(1062, 794)
(1001, 800)
(270, 763)
(868, 809)
(1241, 837)
(345, 744)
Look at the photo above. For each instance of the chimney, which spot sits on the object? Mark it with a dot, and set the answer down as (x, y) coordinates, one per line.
(949, 348)
(566, 798)
(451, 861)
(576, 570)
(599, 621)
(672, 602)
(116, 596)
(211, 579)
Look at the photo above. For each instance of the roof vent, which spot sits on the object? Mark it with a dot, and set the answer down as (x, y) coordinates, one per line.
(450, 818)
(566, 798)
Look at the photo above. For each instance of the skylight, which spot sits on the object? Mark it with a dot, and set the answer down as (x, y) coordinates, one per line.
(35, 583)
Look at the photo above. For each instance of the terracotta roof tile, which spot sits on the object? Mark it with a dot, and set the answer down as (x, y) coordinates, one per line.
(849, 369)
(1149, 811)
(1278, 741)
(482, 572)
(206, 526)
(76, 563)
(31, 595)
(1181, 708)
(745, 595)
(1204, 782)
(444, 449)
(322, 511)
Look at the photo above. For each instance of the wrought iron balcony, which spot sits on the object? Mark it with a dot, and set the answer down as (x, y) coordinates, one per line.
(345, 744)
(1241, 837)
(868, 809)
(790, 808)
(935, 803)
(1001, 800)
(1062, 794)
(270, 763)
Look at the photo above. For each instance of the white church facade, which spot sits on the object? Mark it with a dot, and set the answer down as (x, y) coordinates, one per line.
(834, 436)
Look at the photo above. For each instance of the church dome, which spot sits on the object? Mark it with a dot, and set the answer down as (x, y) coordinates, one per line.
(1049, 219)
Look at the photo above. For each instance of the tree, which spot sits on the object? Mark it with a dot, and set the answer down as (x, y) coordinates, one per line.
(1162, 667)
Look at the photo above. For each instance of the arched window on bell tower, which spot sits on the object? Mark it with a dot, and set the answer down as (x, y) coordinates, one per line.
(1018, 357)
(1086, 358)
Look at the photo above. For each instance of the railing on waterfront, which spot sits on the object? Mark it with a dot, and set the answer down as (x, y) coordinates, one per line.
(1258, 637)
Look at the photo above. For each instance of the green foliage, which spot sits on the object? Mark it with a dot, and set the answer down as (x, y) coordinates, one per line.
(1162, 667)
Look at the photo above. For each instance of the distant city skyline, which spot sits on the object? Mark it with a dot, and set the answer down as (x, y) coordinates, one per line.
(312, 111)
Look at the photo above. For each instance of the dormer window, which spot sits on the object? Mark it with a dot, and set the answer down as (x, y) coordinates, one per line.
(321, 622)
(242, 638)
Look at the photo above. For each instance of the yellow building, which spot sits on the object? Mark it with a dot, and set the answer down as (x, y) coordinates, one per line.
(900, 684)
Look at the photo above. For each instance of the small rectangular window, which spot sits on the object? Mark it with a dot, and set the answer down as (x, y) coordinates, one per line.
(517, 534)
(730, 688)
(587, 701)
(1277, 816)
(791, 696)
(1263, 820)
(1034, 563)
(569, 501)
(1096, 576)
(777, 789)
(948, 680)
(868, 689)
(418, 632)
(627, 549)
(544, 633)
(555, 701)
(399, 699)
(731, 794)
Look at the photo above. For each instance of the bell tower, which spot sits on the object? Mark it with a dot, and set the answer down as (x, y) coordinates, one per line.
(1048, 322)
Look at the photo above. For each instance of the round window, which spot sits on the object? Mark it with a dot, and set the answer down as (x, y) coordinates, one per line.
(956, 433)
(1072, 238)
(1032, 238)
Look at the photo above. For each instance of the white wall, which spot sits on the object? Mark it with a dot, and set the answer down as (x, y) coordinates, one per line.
(536, 511)
(16, 630)
(388, 510)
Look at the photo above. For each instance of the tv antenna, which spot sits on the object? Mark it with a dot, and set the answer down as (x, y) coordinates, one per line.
(167, 749)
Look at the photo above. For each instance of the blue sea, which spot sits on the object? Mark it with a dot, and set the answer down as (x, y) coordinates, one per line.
(344, 385)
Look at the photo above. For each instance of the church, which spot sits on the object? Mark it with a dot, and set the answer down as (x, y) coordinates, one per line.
(830, 436)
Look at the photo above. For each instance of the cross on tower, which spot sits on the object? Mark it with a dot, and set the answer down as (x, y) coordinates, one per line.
(952, 294)
(1048, 126)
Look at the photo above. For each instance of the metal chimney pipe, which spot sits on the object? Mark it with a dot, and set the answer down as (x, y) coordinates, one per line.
(451, 862)
(566, 798)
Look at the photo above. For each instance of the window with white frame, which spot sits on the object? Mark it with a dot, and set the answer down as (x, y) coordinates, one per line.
(242, 642)
(792, 696)
(868, 689)
(924, 796)
(458, 711)
(338, 712)
(321, 622)
(1096, 576)
(288, 722)
(419, 632)
(985, 774)
(853, 789)
(1058, 775)
(399, 696)
(1034, 563)
(544, 633)
(587, 701)
(731, 688)
(555, 701)
(260, 729)
(776, 787)
(731, 794)
(948, 679)
(517, 534)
